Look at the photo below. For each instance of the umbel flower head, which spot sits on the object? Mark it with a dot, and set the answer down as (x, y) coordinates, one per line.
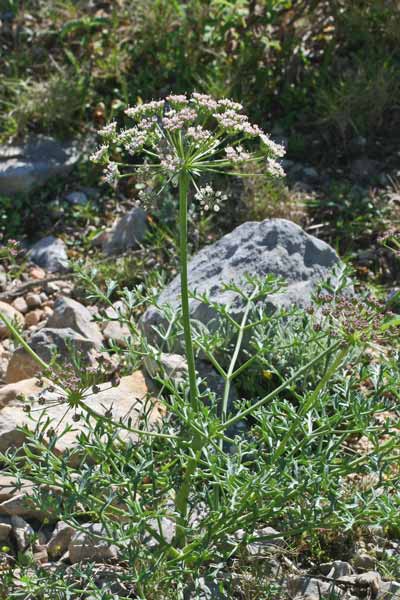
(193, 134)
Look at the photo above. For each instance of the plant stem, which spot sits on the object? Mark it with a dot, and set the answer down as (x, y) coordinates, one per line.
(15, 333)
(283, 386)
(183, 196)
(182, 495)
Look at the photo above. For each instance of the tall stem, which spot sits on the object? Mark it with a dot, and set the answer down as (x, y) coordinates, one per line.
(182, 495)
(183, 207)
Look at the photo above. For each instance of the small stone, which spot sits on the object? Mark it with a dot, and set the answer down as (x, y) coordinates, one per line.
(90, 545)
(127, 233)
(389, 590)
(340, 568)
(73, 314)
(3, 278)
(22, 505)
(33, 300)
(40, 555)
(20, 304)
(60, 539)
(371, 580)
(33, 317)
(309, 588)
(115, 330)
(37, 273)
(10, 486)
(100, 239)
(310, 174)
(52, 287)
(168, 529)
(13, 315)
(50, 253)
(28, 165)
(23, 532)
(43, 297)
(76, 198)
(5, 529)
(48, 311)
(45, 342)
(364, 561)
(265, 546)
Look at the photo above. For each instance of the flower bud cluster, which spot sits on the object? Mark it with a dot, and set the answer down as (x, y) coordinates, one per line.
(209, 199)
(353, 318)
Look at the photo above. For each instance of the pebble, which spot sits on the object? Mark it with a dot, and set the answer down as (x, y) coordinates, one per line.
(340, 568)
(43, 297)
(5, 529)
(60, 539)
(77, 198)
(40, 554)
(33, 317)
(23, 532)
(37, 273)
(52, 287)
(20, 304)
(33, 300)
(87, 545)
(364, 561)
(48, 311)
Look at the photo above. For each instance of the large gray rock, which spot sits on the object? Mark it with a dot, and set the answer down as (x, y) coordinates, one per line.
(50, 253)
(25, 166)
(45, 343)
(70, 313)
(275, 246)
(127, 232)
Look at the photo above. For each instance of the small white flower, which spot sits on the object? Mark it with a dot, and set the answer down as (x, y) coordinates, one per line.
(198, 134)
(230, 104)
(142, 109)
(178, 119)
(99, 154)
(109, 130)
(111, 173)
(177, 98)
(236, 155)
(204, 101)
(276, 149)
(170, 163)
(274, 168)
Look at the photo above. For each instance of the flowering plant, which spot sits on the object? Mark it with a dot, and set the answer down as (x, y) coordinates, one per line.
(182, 138)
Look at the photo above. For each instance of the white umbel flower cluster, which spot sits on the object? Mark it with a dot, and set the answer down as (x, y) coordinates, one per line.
(196, 135)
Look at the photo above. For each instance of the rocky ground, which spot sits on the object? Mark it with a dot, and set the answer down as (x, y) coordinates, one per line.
(44, 303)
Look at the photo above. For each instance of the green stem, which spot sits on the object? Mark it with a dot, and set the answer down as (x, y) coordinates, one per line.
(183, 207)
(182, 495)
(15, 333)
(284, 385)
